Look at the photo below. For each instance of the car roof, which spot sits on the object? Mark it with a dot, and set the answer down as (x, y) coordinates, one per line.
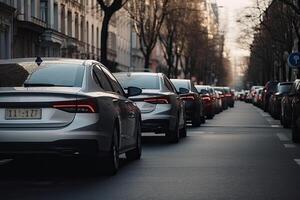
(48, 60)
(181, 80)
(140, 73)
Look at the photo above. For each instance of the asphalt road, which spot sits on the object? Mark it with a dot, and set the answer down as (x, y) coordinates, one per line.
(241, 154)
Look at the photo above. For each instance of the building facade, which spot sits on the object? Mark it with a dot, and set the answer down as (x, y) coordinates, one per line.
(55, 28)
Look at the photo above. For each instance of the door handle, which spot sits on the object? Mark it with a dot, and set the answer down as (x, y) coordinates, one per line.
(115, 100)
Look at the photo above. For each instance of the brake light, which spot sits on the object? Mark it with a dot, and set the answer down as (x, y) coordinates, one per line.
(206, 98)
(157, 100)
(188, 97)
(228, 95)
(80, 106)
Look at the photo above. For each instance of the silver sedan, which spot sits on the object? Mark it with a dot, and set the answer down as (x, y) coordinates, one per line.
(66, 107)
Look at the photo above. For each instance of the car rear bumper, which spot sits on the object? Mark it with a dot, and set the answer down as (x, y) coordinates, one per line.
(54, 142)
(60, 148)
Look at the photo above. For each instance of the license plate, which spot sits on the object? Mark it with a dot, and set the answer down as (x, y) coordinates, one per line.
(23, 113)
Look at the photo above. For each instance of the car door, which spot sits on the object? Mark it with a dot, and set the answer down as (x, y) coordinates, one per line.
(128, 110)
(118, 103)
(296, 102)
(178, 102)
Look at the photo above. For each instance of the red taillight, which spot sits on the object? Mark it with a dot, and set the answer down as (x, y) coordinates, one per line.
(157, 100)
(188, 97)
(80, 106)
(206, 98)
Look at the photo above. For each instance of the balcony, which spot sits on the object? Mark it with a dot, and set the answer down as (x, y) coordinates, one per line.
(38, 22)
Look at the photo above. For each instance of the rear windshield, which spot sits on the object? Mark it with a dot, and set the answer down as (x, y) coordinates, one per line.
(138, 80)
(181, 84)
(284, 88)
(202, 90)
(30, 75)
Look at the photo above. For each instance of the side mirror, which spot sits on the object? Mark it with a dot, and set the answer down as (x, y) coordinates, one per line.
(134, 91)
(183, 91)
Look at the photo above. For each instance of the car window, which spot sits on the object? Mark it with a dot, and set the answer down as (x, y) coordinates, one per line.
(142, 81)
(181, 84)
(114, 83)
(48, 74)
(168, 84)
(193, 88)
(101, 79)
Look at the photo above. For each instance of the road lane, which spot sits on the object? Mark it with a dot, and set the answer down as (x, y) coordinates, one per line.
(238, 155)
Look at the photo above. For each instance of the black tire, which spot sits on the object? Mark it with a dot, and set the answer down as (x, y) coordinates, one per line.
(174, 135)
(112, 160)
(196, 122)
(183, 131)
(136, 153)
(203, 120)
(210, 116)
(295, 133)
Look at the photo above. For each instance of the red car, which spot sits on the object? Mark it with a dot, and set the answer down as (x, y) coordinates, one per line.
(208, 99)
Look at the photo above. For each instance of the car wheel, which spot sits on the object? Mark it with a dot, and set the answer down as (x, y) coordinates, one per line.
(136, 153)
(210, 116)
(183, 131)
(112, 160)
(203, 120)
(295, 133)
(174, 135)
(196, 122)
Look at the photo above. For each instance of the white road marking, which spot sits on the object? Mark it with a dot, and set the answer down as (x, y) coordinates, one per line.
(276, 126)
(297, 161)
(290, 146)
(3, 162)
(283, 137)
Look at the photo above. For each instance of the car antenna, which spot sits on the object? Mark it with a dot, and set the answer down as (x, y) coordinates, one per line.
(38, 61)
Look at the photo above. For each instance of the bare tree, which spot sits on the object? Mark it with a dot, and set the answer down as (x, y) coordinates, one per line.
(148, 17)
(109, 7)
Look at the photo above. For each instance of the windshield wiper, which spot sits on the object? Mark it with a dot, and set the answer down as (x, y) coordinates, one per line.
(44, 85)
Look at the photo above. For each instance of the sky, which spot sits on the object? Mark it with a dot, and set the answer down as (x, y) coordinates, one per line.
(229, 13)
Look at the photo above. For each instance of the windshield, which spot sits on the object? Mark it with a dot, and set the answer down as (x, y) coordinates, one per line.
(181, 84)
(142, 81)
(30, 75)
(284, 88)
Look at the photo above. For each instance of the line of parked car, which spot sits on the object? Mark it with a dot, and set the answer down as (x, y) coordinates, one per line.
(78, 108)
(281, 100)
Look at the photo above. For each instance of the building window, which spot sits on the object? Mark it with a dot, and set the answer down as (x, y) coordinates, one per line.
(44, 10)
(33, 8)
(70, 23)
(62, 19)
(93, 35)
(82, 29)
(97, 36)
(76, 26)
(56, 17)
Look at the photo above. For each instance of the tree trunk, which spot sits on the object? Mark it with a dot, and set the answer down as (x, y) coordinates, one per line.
(104, 38)
(147, 62)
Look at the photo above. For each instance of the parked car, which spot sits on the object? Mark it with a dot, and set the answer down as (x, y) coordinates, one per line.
(218, 102)
(229, 95)
(193, 102)
(257, 101)
(275, 100)
(295, 96)
(222, 93)
(162, 109)
(268, 90)
(286, 105)
(66, 107)
(208, 99)
(253, 92)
